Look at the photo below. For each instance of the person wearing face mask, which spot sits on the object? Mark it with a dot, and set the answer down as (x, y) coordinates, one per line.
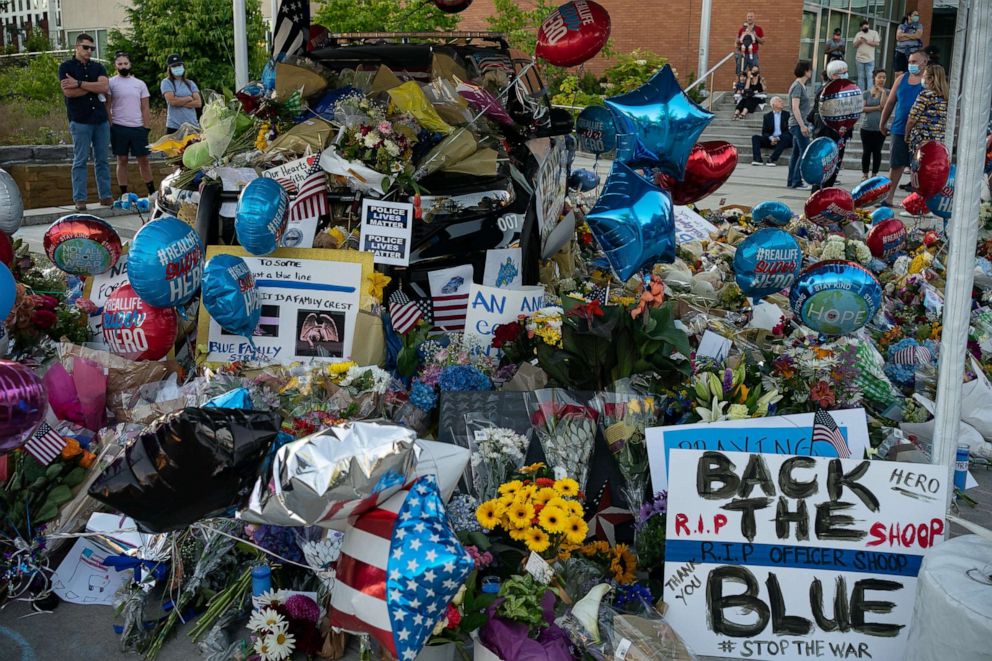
(864, 43)
(909, 39)
(905, 89)
(181, 95)
(835, 48)
(130, 121)
(836, 70)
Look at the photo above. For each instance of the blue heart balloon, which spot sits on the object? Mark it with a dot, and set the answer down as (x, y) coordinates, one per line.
(230, 294)
(835, 297)
(941, 203)
(596, 130)
(766, 262)
(633, 221)
(165, 262)
(261, 216)
(772, 212)
(819, 160)
(662, 123)
(882, 213)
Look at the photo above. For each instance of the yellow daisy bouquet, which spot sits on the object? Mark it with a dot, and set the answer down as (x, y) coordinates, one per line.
(541, 513)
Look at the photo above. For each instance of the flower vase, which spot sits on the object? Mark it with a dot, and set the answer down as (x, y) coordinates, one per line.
(445, 652)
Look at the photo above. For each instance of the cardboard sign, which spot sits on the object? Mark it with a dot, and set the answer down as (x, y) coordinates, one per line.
(786, 434)
(713, 345)
(690, 226)
(550, 187)
(99, 288)
(784, 557)
(489, 307)
(310, 303)
(82, 578)
(387, 229)
(504, 268)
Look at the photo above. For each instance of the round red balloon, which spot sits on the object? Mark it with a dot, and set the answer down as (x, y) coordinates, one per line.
(573, 33)
(710, 165)
(886, 238)
(931, 167)
(452, 6)
(915, 204)
(82, 244)
(6, 250)
(829, 207)
(136, 330)
(841, 103)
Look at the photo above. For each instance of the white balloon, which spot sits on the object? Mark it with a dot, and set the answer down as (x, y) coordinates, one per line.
(11, 204)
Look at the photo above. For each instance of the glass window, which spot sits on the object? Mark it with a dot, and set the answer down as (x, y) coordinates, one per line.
(807, 37)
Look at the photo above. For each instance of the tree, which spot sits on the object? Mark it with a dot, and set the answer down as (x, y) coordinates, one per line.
(199, 30)
(519, 25)
(384, 16)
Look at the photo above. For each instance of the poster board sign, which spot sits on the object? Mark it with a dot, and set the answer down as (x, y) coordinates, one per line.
(690, 226)
(785, 434)
(293, 171)
(387, 230)
(310, 303)
(504, 268)
(550, 187)
(488, 307)
(785, 557)
(99, 288)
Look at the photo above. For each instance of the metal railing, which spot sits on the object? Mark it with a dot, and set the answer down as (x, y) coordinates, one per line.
(709, 74)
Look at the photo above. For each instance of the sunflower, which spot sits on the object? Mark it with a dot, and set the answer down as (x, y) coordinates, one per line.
(575, 508)
(567, 487)
(537, 540)
(518, 534)
(543, 496)
(510, 488)
(520, 514)
(624, 564)
(553, 519)
(576, 530)
(488, 514)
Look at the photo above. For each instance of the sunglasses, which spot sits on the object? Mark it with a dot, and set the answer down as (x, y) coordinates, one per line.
(85, 47)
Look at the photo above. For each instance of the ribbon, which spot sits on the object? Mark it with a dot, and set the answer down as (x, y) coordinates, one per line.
(156, 568)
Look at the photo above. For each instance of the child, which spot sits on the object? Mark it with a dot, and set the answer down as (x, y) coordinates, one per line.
(928, 116)
(747, 47)
(739, 87)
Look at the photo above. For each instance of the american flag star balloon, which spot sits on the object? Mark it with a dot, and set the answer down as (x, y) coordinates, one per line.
(400, 566)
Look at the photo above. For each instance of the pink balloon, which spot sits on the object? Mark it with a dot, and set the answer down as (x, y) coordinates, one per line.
(23, 403)
(62, 395)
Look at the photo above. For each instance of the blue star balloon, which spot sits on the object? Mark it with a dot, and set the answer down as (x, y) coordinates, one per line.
(633, 221)
(662, 122)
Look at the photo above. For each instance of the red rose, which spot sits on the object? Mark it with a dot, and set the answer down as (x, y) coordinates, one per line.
(43, 319)
(46, 301)
(506, 333)
(454, 617)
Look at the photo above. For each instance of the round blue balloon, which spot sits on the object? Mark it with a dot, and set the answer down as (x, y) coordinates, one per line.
(942, 202)
(882, 213)
(261, 216)
(230, 294)
(583, 180)
(165, 262)
(766, 262)
(819, 160)
(8, 292)
(596, 130)
(835, 297)
(772, 212)
(633, 221)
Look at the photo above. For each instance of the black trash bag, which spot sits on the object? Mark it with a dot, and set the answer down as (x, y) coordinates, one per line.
(188, 465)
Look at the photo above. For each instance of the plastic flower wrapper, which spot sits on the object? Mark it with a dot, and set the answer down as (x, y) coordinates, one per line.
(321, 549)
(497, 452)
(521, 624)
(566, 430)
(218, 124)
(647, 633)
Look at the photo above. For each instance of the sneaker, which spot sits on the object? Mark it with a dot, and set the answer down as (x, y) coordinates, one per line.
(106, 202)
(80, 206)
(907, 187)
(771, 164)
(757, 163)
(803, 187)
(885, 203)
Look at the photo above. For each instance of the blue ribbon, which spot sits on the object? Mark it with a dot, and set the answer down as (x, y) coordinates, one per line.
(125, 562)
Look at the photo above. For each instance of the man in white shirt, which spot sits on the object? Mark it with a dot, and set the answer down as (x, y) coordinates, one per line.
(130, 121)
(774, 133)
(865, 42)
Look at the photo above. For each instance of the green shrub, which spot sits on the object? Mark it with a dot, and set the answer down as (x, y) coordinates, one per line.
(31, 82)
(631, 71)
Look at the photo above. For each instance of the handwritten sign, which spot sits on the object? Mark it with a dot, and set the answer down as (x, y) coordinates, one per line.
(488, 307)
(310, 303)
(550, 186)
(504, 268)
(99, 288)
(387, 229)
(294, 171)
(787, 434)
(790, 557)
(690, 226)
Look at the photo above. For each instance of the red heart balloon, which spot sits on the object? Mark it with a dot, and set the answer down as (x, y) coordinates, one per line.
(452, 6)
(829, 207)
(915, 204)
(886, 238)
(710, 164)
(573, 33)
(931, 167)
(6, 250)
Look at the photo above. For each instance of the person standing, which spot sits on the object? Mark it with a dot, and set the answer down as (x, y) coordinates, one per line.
(872, 137)
(928, 117)
(749, 38)
(84, 84)
(835, 48)
(774, 134)
(800, 105)
(865, 43)
(181, 94)
(909, 39)
(130, 121)
(898, 103)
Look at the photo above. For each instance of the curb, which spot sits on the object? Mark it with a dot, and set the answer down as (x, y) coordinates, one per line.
(48, 215)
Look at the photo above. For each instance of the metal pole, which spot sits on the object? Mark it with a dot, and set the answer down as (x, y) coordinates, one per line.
(240, 45)
(963, 230)
(704, 39)
(957, 68)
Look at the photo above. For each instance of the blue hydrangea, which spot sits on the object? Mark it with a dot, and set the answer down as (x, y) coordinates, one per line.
(423, 396)
(632, 597)
(457, 378)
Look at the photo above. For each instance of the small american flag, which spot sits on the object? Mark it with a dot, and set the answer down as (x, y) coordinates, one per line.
(45, 445)
(311, 201)
(825, 429)
(912, 356)
(405, 313)
(288, 184)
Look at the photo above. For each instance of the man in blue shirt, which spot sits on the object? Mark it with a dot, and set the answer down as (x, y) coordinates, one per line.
(84, 86)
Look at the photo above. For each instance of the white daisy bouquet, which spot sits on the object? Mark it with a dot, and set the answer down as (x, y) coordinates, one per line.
(496, 453)
(270, 629)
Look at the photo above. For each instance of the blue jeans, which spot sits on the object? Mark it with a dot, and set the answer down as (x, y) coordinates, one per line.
(799, 144)
(87, 140)
(865, 74)
(748, 61)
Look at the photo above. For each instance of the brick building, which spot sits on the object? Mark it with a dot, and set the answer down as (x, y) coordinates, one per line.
(794, 29)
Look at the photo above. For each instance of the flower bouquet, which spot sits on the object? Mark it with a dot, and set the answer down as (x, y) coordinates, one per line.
(496, 453)
(567, 431)
(521, 624)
